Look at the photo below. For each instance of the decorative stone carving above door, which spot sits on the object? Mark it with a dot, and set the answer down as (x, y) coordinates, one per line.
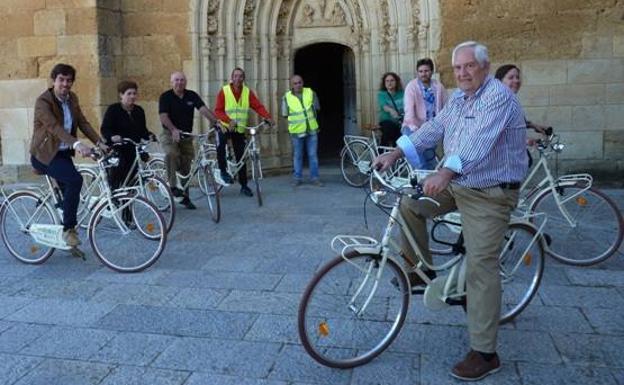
(322, 13)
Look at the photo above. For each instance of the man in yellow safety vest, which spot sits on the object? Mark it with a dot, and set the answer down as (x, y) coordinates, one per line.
(232, 109)
(300, 106)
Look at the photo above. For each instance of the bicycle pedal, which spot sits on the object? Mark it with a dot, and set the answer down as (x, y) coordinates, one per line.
(76, 252)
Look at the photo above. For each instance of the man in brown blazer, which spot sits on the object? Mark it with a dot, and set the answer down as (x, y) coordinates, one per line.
(57, 118)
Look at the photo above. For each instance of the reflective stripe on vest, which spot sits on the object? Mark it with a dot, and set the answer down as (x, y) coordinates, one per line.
(236, 110)
(299, 114)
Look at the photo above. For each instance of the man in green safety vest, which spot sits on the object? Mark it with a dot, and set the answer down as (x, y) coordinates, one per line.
(232, 109)
(300, 106)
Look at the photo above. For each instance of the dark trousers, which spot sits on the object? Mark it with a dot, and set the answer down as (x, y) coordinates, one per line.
(69, 179)
(118, 174)
(390, 132)
(238, 141)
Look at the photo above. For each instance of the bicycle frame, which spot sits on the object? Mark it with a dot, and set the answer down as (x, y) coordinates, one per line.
(387, 249)
(50, 235)
(200, 160)
(251, 150)
(452, 288)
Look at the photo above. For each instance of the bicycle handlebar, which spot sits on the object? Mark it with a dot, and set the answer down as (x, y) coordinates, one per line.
(130, 141)
(551, 141)
(204, 135)
(413, 190)
(252, 129)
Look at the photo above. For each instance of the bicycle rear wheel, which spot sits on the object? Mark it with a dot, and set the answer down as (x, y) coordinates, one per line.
(19, 211)
(521, 264)
(127, 242)
(355, 162)
(157, 191)
(597, 229)
(209, 186)
(257, 175)
(346, 316)
(158, 166)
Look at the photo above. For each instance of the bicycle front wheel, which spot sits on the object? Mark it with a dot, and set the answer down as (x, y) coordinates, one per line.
(355, 162)
(348, 315)
(127, 235)
(521, 264)
(157, 191)
(19, 212)
(208, 185)
(595, 232)
(257, 175)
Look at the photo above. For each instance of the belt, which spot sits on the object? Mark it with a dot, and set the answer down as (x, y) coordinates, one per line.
(504, 186)
(510, 185)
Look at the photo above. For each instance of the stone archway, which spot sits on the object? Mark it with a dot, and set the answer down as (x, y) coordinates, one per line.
(262, 37)
(335, 86)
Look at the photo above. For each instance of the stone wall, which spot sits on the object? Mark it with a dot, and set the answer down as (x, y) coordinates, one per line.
(154, 40)
(36, 34)
(571, 54)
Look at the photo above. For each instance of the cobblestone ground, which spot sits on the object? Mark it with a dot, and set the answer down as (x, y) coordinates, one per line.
(219, 307)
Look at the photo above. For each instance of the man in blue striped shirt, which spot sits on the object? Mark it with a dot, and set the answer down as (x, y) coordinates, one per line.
(484, 135)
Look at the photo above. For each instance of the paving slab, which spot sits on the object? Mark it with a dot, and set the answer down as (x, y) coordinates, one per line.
(220, 307)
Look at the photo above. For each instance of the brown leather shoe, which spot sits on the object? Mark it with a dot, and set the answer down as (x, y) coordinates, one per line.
(474, 367)
(70, 236)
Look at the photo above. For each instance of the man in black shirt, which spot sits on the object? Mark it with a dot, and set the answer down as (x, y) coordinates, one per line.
(176, 108)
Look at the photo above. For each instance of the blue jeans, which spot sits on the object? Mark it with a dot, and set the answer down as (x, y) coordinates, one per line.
(310, 142)
(69, 179)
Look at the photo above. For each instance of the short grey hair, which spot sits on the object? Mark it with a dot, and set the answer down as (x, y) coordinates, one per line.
(480, 52)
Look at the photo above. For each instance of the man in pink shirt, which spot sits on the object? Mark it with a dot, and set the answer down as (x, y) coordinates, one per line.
(424, 98)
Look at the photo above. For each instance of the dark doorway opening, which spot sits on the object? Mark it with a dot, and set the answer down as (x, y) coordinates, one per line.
(328, 69)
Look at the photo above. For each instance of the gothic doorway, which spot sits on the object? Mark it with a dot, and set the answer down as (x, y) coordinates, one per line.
(329, 69)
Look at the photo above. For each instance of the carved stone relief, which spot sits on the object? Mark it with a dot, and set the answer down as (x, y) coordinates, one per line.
(248, 17)
(322, 13)
(212, 17)
(387, 33)
(282, 17)
(413, 29)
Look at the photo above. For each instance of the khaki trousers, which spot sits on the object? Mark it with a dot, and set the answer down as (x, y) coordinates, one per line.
(485, 215)
(178, 156)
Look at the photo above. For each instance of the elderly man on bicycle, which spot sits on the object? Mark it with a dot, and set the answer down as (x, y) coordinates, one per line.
(483, 131)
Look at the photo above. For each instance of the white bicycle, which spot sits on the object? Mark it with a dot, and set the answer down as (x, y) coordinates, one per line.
(31, 229)
(356, 303)
(149, 184)
(202, 168)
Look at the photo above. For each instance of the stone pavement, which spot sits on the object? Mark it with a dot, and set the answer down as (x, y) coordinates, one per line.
(220, 305)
